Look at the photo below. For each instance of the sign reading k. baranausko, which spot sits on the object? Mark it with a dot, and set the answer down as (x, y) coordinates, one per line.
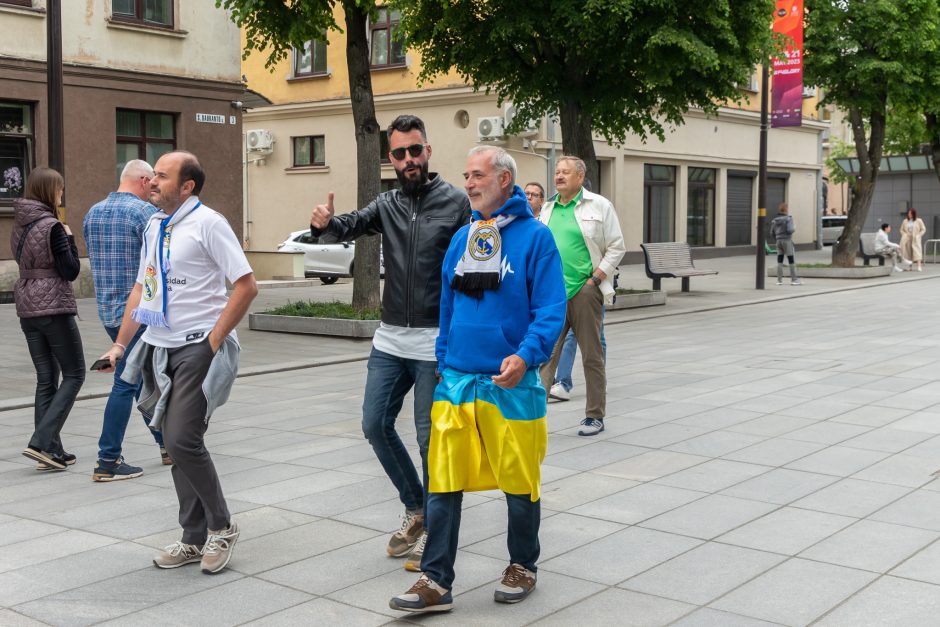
(210, 118)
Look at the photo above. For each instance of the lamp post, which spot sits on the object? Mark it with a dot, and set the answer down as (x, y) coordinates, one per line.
(54, 99)
(762, 177)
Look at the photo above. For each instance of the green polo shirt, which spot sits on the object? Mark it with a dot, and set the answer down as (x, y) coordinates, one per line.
(575, 257)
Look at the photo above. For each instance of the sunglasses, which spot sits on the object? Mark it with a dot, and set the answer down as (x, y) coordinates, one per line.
(414, 150)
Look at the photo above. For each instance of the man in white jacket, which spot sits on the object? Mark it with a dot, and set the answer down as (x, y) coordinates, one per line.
(587, 233)
(888, 249)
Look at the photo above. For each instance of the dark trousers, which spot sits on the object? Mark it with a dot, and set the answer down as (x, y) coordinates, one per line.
(55, 346)
(443, 524)
(202, 504)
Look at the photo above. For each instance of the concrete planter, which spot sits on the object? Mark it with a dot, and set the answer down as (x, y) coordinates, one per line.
(858, 272)
(313, 326)
(642, 299)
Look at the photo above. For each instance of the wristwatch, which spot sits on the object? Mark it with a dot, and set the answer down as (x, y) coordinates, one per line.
(596, 279)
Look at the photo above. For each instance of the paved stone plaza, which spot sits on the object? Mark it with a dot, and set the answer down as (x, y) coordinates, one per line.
(769, 463)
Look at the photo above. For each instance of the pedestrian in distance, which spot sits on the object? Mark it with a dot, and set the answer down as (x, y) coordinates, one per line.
(417, 223)
(781, 231)
(912, 233)
(502, 308)
(535, 194)
(889, 250)
(48, 262)
(113, 231)
(187, 359)
(587, 232)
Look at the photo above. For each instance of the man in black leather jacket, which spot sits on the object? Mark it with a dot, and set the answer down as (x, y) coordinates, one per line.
(417, 223)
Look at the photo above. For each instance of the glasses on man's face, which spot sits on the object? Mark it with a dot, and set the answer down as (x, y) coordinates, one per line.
(533, 195)
(413, 150)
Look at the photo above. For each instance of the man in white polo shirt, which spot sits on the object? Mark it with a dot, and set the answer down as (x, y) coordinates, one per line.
(188, 356)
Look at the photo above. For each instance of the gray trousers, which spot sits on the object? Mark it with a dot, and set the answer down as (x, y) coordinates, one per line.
(585, 316)
(202, 504)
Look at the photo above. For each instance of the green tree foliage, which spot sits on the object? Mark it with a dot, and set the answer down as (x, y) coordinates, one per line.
(608, 66)
(274, 27)
(871, 56)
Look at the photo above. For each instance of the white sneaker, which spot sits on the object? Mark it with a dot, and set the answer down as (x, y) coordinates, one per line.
(559, 393)
(898, 269)
(796, 282)
(780, 282)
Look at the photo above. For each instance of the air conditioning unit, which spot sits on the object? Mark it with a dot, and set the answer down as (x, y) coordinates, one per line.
(490, 129)
(531, 129)
(260, 141)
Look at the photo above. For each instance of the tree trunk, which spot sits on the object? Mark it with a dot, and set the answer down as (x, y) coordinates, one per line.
(368, 167)
(577, 139)
(933, 132)
(869, 150)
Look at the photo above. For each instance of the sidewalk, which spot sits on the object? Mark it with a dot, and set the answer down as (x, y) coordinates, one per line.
(762, 465)
(272, 352)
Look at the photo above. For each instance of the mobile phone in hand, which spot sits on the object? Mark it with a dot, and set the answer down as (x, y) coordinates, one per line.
(101, 364)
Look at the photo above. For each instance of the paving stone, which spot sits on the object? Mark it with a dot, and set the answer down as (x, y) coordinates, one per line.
(707, 617)
(650, 465)
(787, 531)
(321, 612)
(920, 509)
(565, 494)
(841, 461)
(636, 504)
(871, 416)
(827, 432)
(20, 530)
(620, 556)
(923, 566)
(852, 497)
(661, 435)
(289, 489)
(713, 475)
(795, 592)
(770, 426)
(715, 444)
(905, 470)
(870, 545)
(888, 601)
(9, 618)
(599, 454)
(780, 486)
(704, 573)
(709, 517)
(607, 608)
(775, 452)
(51, 547)
(557, 534)
(887, 439)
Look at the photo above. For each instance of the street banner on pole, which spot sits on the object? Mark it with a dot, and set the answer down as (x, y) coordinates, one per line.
(786, 108)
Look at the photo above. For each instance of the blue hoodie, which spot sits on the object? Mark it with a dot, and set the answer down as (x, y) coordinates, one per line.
(523, 317)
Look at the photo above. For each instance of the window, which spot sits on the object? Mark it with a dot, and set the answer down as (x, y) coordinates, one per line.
(387, 185)
(143, 135)
(383, 147)
(147, 12)
(16, 148)
(19, 3)
(700, 230)
(386, 49)
(312, 59)
(310, 150)
(659, 203)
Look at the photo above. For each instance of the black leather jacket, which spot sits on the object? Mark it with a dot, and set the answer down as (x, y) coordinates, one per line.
(416, 232)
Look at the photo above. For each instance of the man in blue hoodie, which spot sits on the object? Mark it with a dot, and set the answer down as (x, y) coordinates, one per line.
(502, 309)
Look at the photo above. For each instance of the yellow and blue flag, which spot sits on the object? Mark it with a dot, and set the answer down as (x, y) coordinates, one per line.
(485, 437)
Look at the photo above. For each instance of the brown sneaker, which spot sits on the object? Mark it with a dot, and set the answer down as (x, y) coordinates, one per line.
(177, 554)
(413, 561)
(218, 549)
(516, 585)
(412, 526)
(424, 596)
(165, 457)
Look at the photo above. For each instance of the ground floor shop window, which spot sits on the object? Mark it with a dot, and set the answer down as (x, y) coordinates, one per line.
(16, 143)
(659, 203)
(700, 229)
(146, 135)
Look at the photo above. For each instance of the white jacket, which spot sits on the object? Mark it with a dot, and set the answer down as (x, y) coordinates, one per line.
(601, 230)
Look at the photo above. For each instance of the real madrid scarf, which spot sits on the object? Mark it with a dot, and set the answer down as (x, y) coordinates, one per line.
(157, 236)
(478, 268)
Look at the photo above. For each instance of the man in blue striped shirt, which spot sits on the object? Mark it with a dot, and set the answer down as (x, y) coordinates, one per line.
(113, 232)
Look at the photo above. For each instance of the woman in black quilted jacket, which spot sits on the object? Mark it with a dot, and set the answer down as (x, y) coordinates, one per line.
(45, 303)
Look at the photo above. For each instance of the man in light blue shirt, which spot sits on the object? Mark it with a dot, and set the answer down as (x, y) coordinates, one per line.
(113, 232)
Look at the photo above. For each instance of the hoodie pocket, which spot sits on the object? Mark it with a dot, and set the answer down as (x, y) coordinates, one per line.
(478, 347)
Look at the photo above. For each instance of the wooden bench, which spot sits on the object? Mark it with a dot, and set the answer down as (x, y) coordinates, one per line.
(670, 260)
(866, 248)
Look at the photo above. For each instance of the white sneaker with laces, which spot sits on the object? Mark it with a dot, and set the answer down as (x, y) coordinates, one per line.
(559, 393)
(218, 549)
(591, 426)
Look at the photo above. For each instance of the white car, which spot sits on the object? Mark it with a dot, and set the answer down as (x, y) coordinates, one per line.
(832, 227)
(328, 262)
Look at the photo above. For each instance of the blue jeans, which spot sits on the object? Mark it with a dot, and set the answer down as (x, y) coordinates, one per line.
(443, 524)
(387, 383)
(117, 412)
(568, 352)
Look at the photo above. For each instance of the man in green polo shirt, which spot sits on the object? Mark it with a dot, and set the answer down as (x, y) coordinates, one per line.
(587, 233)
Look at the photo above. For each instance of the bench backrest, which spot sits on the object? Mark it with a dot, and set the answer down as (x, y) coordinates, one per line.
(666, 256)
(866, 244)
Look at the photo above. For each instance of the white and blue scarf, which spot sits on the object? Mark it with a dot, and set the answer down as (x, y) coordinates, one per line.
(157, 236)
(478, 268)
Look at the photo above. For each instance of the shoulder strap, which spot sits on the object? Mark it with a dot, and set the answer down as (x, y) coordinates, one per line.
(22, 242)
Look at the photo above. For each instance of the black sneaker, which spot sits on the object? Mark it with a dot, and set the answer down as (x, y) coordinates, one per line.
(115, 471)
(49, 459)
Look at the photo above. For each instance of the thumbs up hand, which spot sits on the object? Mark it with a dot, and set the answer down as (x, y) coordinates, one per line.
(322, 214)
